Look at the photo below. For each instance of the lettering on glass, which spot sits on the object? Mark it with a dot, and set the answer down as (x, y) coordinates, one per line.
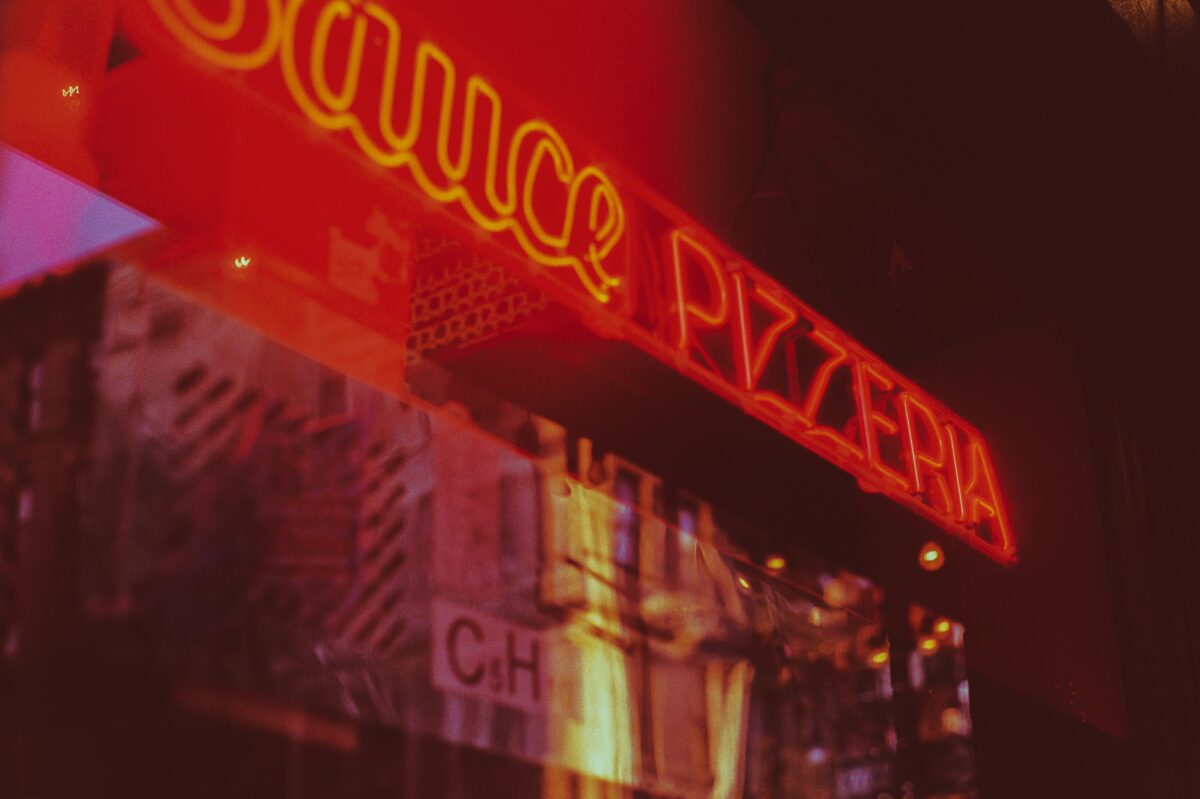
(483, 656)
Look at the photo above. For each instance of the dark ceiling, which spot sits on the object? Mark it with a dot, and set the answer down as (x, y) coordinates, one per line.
(1037, 156)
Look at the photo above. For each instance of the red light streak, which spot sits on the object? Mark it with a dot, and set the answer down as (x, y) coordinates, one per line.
(987, 507)
(786, 316)
(925, 467)
(874, 422)
(960, 510)
(713, 317)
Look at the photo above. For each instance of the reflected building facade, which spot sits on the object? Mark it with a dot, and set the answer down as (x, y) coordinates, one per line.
(294, 584)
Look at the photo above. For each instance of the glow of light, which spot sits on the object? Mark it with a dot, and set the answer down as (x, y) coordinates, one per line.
(928, 645)
(835, 593)
(981, 495)
(816, 756)
(727, 706)
(879, 657)
(776, 562)
(955, 721)
(932, 558)
(71, 91)
(942, 626)
(743, 582)
(815, 617)
(839, 357)
(241, 262)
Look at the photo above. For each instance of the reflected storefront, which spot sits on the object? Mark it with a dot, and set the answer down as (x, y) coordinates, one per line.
(291, 556)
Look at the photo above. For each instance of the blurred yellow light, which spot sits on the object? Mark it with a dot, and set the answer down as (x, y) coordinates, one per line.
(776, 562)
(879, 657)
(743, 582)
(835, 593)
(928, 644)
(955, 721)
(241, 262)
(942, 626)
(931, 558)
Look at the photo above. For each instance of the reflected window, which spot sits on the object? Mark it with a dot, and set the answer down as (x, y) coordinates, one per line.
(35, 390)
(627, 527)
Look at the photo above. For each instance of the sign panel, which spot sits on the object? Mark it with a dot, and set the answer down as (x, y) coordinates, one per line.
(483, 656)
(630, 264)
(81, 220)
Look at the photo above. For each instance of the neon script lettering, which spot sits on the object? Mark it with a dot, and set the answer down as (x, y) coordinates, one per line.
(682, 297)
(342, 64)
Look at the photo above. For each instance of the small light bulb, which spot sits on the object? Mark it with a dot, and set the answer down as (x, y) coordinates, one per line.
(776, 563)
(931, 558)
(241, 262)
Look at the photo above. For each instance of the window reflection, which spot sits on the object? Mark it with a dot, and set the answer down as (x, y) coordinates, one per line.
(308, 566)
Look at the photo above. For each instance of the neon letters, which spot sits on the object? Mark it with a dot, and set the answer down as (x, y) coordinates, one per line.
(741, 334)
(341, 62)
(684, 298)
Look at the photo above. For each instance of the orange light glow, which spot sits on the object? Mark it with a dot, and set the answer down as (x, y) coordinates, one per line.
(955, 721)
(598, 737)
(241, 262)
(839, 358)
(981, 497)
(70, 91)
(835, 593)
(776, 562)
(931, 558)
(751, 354)
(743, 582)
(928, 645)
(878, 657)
(941, 626)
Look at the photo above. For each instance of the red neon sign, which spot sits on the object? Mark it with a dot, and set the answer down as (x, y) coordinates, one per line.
(630, 264)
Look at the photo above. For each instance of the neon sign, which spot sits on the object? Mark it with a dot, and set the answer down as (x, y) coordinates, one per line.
(632, 267)
(455, 158)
